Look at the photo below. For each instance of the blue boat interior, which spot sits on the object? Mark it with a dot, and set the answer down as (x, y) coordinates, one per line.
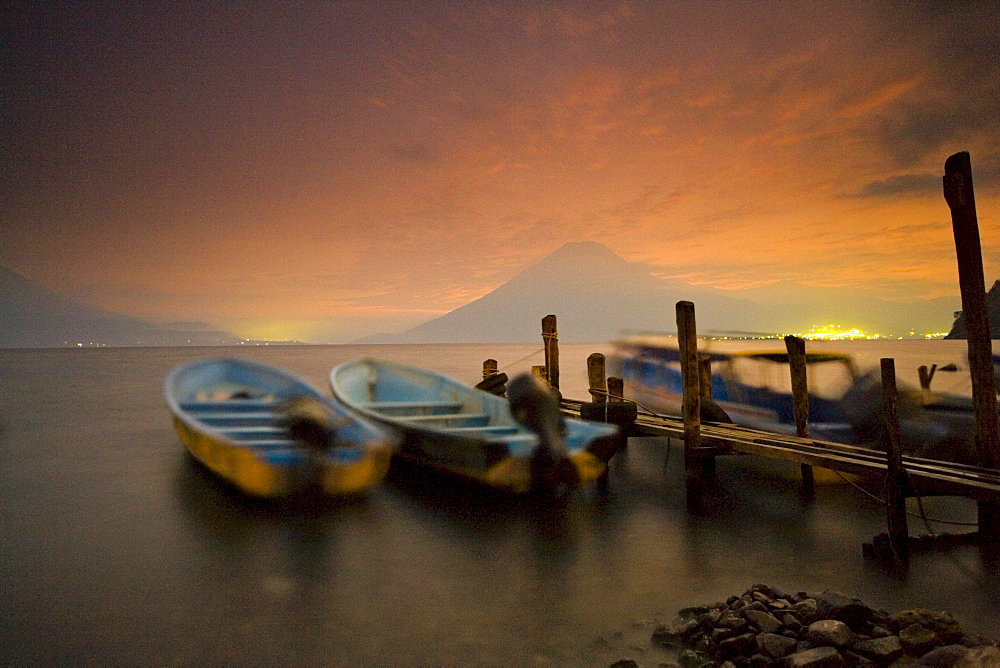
(255, 424)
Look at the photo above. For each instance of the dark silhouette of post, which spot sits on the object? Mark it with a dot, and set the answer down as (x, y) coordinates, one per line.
(796, 348)
(550, 337)
(895, 475)
(705, 375)
(616, 389)
(490, 368)
(597, 379)
(959, 195)
(687, 340)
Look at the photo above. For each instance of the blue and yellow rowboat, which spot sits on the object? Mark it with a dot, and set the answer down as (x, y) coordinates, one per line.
(270, 433)
(524, 445)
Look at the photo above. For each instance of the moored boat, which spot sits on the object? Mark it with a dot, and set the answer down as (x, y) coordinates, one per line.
(521, 445)
(753, 388)
(270, 433)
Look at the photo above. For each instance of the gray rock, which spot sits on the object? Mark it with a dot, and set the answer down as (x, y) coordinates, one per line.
(917, 639)
(764, 621)
(737, 645)
(774, 645)
(851, 611)
(734, 622)
(943, 624)
(688, 628)
(817, 657)
(792, 622)
(692, 659)
(884, 650)
(853, 659)
(832, 632)
(944, 657)
(806, 609)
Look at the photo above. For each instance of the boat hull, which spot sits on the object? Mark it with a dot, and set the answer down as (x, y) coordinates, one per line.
(228, 415)
(457, 429)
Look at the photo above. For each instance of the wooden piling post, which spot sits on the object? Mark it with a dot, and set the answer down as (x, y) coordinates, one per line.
(959, 195)
(596, 377)
(796, 348)
(539, 372)
(705, 375)
(895, 478)
(616, 389)
(926, 376)
(550, 337)
(687, 339)
(490, 368)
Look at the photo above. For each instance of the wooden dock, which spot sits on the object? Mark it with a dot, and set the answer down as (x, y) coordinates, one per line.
(900, 476)
(927, 476)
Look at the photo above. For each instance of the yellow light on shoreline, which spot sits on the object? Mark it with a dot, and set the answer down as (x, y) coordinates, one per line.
(835, 333)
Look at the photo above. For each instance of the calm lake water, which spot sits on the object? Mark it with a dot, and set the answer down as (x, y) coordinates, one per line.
(116, 549)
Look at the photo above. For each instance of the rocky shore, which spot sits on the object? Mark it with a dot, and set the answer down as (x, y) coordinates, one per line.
(768, 627)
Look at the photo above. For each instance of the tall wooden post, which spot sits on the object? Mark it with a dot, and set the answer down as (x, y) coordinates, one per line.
(800, 402)
(550, 337)
(596, 377)
(895, 477)
(959, 195)
(705, 375)
(687, 340)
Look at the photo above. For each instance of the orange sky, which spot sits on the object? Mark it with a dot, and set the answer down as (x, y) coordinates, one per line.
(326, 170)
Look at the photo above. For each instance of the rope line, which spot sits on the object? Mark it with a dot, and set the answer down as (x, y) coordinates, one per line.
(528, 356)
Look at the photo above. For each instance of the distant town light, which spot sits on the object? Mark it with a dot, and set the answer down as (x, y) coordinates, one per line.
(835, 333)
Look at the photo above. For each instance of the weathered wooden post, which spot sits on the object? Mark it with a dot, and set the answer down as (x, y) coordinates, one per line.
(596, 377)
(539, 372)
(796, 348)
(705, 375)
(616, 389)
(608, 406)
(550, 337)
(687, 339)
(959, 195)
(493, 380)
(926, 376)
(895, 477)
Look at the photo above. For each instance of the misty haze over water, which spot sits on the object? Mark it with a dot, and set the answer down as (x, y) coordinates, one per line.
(118, 549)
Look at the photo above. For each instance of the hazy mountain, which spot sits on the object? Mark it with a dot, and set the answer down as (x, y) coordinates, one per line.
(596, 295)
(32, 316)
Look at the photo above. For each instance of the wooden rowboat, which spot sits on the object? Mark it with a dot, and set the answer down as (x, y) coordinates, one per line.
(272, 434)
(456, 428)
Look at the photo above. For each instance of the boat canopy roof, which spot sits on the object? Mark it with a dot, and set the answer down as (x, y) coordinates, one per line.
(672, 354)
(781, 357)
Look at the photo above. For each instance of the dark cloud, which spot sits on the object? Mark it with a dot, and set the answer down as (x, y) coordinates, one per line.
(904, 184)
(955, 49)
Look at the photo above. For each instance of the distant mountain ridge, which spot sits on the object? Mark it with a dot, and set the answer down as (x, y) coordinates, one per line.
(597, 295)
(32, 316)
